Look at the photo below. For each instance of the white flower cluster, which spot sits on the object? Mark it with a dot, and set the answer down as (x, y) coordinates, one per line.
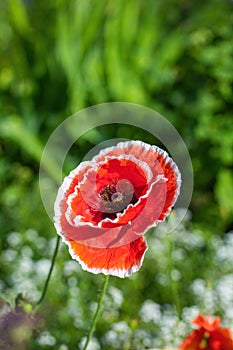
(153, 325)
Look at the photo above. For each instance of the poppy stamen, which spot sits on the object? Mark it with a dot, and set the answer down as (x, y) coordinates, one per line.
(116, 198)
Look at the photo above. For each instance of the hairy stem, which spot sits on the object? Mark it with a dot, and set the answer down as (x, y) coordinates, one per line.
(50, 272)
(100, 302)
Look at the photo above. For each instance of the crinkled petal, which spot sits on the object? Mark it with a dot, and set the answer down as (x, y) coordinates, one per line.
(85, 203)
(121, 261)
(163, 193)
(153, 210)
(207, 323)
(192, 341)
(153, 156)
(108, 242)
(90, 235)
(221, 339)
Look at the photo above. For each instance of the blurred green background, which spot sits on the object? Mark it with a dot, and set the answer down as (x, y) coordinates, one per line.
(58, 57)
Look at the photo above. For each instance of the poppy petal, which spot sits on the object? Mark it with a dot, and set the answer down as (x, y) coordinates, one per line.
(206, 322)
(152, 212)
(121, 261)
(110, 241)
(90, 235)
(192, 341)
(85, 201)
(153, 156)
(210, 335)
(161, 165)
(221, 339)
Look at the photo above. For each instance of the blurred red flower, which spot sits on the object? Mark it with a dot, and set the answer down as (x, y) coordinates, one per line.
(209, 336)
(104, 206)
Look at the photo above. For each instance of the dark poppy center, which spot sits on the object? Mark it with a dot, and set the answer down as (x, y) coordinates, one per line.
(107, 192)
(117, 196)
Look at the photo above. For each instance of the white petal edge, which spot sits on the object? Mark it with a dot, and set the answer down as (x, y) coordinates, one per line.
(147, 146)
(77, 222)
(122, 273)
(95, 166)
(65, 186)
(68, 180)
(178, 182)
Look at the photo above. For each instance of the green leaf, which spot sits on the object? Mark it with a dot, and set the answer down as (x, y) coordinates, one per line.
(13, 128)
(19, 16)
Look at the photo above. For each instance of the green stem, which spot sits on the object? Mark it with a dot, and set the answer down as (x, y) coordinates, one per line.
(50, 272)
(101, 298)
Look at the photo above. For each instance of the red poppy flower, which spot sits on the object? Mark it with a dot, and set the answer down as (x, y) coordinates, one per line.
(209, 336)
(104, 207)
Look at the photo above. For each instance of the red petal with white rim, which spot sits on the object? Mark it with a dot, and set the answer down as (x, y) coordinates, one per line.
(164, 193)
(121, 261)
(105, 205)
(85, 202)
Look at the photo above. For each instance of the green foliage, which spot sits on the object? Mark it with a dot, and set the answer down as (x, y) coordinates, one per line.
(173, 57)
